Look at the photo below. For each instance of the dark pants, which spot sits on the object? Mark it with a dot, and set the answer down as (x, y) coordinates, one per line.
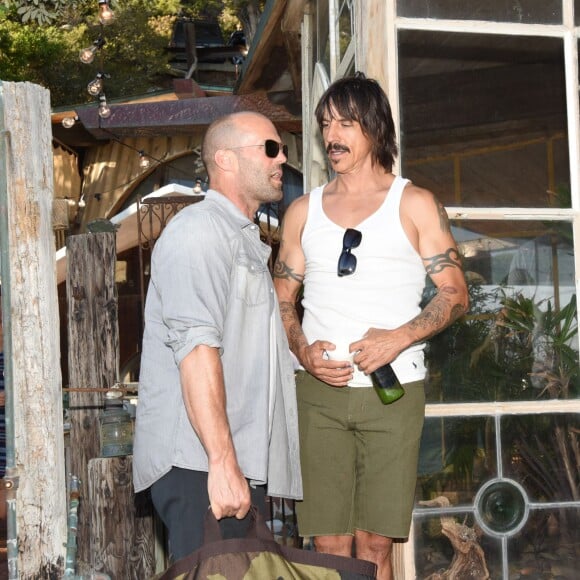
(180, 498)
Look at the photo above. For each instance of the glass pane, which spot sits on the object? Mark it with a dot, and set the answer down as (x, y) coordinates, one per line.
(457, 455)
(519, 340)
(546, 547)
(541, 452)
(344, 27)
(524, 11)
(435, 555)
(351, 69)
(483, 117)
(322, 34)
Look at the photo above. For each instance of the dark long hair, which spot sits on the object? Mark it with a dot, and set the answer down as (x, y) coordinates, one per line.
(360, 99)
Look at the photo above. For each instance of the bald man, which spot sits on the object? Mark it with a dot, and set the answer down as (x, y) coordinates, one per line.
(216, 420)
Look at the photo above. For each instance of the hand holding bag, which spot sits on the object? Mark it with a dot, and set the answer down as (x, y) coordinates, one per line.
(259, 557)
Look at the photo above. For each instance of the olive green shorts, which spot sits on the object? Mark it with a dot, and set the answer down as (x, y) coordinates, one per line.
(359, 458)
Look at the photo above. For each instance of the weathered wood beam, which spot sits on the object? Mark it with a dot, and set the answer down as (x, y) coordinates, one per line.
(290, 30)
(182, 116)
(258, 70)
(35, 473)
(93, 338)
(122, 539)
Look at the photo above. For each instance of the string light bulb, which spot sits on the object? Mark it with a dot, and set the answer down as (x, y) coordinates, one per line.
(106, 15)
(82, 201)
(87, 55)
(95, 87)
(104, 109)
(144, 161)
(197, 188)
(69, 122)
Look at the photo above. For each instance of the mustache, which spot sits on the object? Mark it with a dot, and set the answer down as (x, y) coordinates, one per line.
(336, 147)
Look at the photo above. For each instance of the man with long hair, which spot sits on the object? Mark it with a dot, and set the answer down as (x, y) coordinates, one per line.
(362, 246)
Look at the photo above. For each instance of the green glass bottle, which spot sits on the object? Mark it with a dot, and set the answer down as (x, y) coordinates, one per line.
(387, 384)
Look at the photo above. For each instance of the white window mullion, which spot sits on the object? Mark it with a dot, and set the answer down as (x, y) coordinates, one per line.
(307, 53)
(573, 112)
(572, 85)
(392, 88)
(346, 61)
(482, 27)
(333, 36)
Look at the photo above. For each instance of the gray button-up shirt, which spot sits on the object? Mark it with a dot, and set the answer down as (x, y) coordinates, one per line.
(210, 285)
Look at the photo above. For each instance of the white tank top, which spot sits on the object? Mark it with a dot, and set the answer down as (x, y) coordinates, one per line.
(384, 292)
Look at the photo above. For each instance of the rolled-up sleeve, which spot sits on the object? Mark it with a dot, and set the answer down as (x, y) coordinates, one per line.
(192, 283)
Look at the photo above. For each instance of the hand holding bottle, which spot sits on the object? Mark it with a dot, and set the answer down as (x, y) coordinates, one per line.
(387, 385)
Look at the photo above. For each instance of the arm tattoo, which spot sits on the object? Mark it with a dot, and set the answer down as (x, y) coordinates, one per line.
(296, 337)
(282, 270)
(438, 314)
(436, 264)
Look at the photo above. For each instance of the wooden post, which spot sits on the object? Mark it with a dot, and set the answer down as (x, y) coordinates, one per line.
(122, 537)
(93, 339)
(37, 499)
(115, 530)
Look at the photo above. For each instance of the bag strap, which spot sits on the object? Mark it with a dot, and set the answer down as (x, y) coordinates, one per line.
(257, 528)
(212, 533)
(211, 528)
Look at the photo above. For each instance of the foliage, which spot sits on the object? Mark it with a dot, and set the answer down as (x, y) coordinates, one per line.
(57, 12)
(134, 55)
(545, 334)
(41, 12)
(40, 41)
(33, 53)
(521, 352)
(525, 350)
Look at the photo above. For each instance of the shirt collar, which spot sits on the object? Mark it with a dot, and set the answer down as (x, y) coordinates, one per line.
(232, 209)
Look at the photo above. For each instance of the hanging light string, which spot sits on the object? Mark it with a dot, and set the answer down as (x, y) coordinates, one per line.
(142, 155)
(141, 152)
(87, 55)
(106, 15)
(96, 88)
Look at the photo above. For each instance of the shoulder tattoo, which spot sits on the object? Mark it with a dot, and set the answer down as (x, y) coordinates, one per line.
(438, 263)
(282, 270)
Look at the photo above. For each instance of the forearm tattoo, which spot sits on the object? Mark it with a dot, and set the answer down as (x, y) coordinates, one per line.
(296, 337)
(438, 263)
(438, 314)
(282, 270)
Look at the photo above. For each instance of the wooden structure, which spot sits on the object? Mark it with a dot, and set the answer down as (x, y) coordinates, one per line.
(115, 531)
(35, 474)
(122, 533)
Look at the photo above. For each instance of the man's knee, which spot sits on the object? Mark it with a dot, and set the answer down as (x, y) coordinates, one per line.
(369, 543)
(338, 545)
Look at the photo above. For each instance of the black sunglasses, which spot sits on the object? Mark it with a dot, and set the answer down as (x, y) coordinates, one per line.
(347, 260)
(271, 148)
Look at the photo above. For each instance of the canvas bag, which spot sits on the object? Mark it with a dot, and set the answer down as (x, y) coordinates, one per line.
(259, 557)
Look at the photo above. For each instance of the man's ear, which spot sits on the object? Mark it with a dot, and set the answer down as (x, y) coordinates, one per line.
(225, 159)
